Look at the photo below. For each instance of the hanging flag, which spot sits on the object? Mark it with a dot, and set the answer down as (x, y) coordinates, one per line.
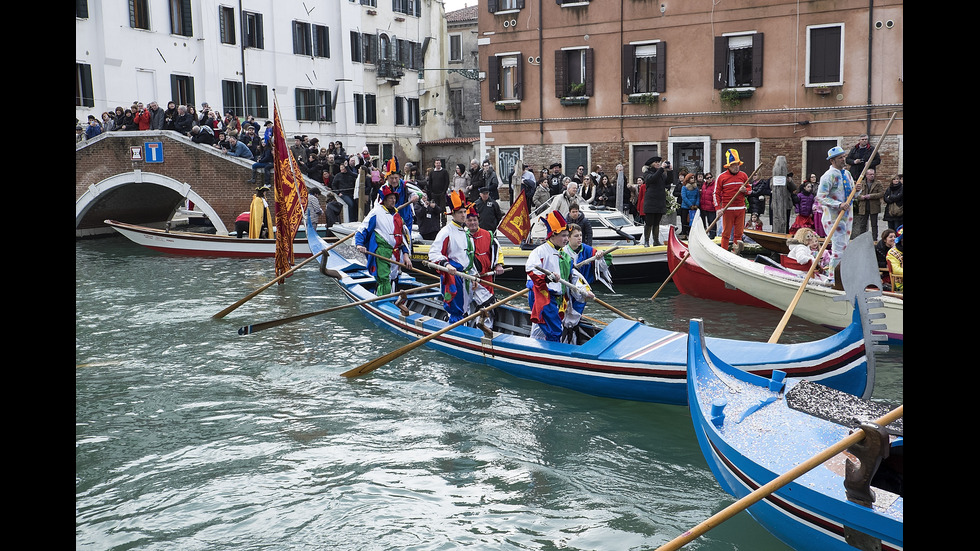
(290, 194)
(516, 224)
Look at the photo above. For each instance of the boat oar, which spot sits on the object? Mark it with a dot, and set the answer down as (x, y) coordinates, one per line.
(777, 483)
(378, 362)
(252, 295)
(595, 256)
(688, 253)
(249, 329)
(813, 265)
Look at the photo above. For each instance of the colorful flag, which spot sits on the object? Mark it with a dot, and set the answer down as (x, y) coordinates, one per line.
(516, 224)
(291, 196)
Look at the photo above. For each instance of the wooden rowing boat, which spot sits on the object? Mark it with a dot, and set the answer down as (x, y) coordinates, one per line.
(754, 429)
(624, 359)
(203, 244)
(820, 303)
(691, 279)
(772, 241)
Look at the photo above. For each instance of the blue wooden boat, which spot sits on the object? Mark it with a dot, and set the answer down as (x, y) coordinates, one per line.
(624, 359)
(753, 429)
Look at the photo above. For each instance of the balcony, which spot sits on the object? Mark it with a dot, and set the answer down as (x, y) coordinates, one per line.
(390, 70)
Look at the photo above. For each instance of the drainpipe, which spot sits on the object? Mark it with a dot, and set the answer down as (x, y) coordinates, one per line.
(241, 40)
(871, 30)
(541, 71)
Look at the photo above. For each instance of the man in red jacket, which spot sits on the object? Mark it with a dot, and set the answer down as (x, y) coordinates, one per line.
(731, 188)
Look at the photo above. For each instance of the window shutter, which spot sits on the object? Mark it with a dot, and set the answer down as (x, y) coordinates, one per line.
(589, 72)
(721, 62)
(520, 77)
(418, 56)
(259, 32)
(661, 85)
(185, 15)
(493, 78)
(629, 64)
(757, 59)
(492, 6)
(561, 66)
(221, 24)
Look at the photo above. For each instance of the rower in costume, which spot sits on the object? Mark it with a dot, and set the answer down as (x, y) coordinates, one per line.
(453, 249)
(488, 261)
(596, 269)
(550, 299)
(384, 233)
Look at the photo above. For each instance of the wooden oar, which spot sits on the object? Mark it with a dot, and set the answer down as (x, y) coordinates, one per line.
(813, 265)
(249, 329)
(595, 256)
(777, 483)
(252, 295)
(376, 363)
(688, 253)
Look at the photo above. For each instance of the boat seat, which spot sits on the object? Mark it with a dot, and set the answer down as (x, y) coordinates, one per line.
(788, 262)
(617, 329)
(838, 407)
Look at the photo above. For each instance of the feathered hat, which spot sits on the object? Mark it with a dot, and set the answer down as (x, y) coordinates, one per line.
(731, 157)
(391, 166)
(555, 222)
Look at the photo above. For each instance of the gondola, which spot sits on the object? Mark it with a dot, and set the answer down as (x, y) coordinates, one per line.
(691, 279)
(624, 359)
(820, 303)
(754, 429)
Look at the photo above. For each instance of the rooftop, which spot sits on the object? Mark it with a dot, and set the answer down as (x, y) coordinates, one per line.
(469, 13)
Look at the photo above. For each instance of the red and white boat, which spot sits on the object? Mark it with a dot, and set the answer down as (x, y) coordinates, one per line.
(691, 279)
(203, 244)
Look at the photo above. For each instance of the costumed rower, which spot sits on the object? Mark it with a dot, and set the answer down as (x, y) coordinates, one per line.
(731, 189)
(549, 299)
(453, 249)
(487, 259)
(405, 196)
(833, 194)
(383, 232)
(260, 219)
(597, 269)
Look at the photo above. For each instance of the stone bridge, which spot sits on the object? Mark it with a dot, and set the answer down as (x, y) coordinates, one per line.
(146, 177)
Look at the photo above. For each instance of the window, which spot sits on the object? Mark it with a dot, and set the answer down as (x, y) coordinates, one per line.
(314, 105)
(139, 14)
(399, 111)
(356, 49)
(81, 9)
(455, 47)
(182, 89)
(254, 34)
(824, 61)
(258, 101)
(180, 17)
(573, 72)
(644, 68)
(738, 61)
(372, 3)
(493, 6)
(226, 24)
(321, 41)
(505, 77)
(359, 108)
(575, 155)
(84, 97)
(370, 109)
(413, 111)
(302, 39)
(456, 103)
(370, 42)
(231, 96)
(408, 7)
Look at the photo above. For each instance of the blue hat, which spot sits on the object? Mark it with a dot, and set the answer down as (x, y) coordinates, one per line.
(835, 151)
(731, 158)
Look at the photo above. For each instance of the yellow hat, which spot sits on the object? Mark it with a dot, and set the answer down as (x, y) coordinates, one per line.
(731, 157)
(555, 222)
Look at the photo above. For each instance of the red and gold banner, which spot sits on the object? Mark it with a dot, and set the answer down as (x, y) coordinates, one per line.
(516, 224)
(291, 196)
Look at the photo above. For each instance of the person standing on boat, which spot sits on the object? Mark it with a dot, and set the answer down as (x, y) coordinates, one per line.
(598, 269)
(657, 179)
(731, 188)
(406, 197)
(549, 298)
(453, 249)
(488, 262)
(833, 195)
(383, 232)
(260, 219)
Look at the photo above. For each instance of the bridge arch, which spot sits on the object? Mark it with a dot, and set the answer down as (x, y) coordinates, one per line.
(137, 197)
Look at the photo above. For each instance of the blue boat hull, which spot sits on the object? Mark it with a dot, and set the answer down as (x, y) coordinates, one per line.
(747, 446)
(625, 360)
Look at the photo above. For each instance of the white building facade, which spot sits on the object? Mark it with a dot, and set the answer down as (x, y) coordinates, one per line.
(347, 70)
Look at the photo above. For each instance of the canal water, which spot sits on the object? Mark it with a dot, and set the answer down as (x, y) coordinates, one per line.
(191, 437)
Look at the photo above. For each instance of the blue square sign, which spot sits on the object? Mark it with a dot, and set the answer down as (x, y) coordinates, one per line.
(153, 152)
